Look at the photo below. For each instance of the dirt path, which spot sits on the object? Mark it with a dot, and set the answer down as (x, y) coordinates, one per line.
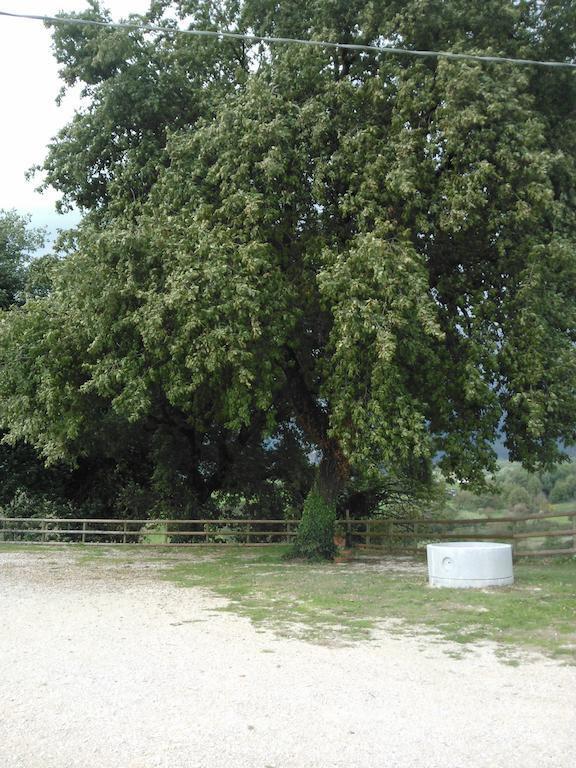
(105, 666)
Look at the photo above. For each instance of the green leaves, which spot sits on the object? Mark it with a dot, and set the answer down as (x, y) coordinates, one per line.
(17, 243)
(40, 398)
(384, 325)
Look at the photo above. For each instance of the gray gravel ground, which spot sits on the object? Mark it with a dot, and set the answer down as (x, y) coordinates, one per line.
(108, 667)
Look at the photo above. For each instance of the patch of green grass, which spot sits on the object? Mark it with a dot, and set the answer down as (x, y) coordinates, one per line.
(566, 507)
(155, 534)
(29, 547)
(326, 602)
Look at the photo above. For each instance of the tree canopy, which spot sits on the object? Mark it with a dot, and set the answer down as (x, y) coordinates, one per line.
(373, 252)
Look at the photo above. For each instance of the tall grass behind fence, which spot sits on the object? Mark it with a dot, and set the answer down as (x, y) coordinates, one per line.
(544, 534)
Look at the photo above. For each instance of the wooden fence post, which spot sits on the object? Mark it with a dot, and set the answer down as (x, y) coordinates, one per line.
(248, 531)
(43, 529)
(125, 531)
(84, 525)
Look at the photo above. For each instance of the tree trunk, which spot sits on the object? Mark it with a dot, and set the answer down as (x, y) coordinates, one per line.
(315, 535)
(333, 472)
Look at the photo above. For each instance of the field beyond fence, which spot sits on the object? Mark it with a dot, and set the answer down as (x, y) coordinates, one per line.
(543, 534)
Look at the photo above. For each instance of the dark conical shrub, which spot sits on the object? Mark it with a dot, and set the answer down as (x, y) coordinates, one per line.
(315, 535)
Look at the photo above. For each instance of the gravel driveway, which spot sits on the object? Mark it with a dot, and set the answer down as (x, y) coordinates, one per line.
(107, 666)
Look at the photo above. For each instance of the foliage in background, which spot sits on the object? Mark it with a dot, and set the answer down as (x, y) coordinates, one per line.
(514, 490)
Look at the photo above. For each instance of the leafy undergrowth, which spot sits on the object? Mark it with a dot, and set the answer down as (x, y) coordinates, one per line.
(347, 602)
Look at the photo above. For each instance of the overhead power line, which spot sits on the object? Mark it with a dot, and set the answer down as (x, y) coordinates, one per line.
(287, 40)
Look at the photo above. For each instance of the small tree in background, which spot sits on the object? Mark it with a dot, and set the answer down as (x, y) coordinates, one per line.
(18, 241)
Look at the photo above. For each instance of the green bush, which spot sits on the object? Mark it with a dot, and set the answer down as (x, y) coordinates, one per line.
(36, 505)
(564, 490)
(315, 535)
(517, 496)
(33, 506)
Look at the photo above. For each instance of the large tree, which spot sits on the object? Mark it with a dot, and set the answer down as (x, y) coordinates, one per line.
(375, 249)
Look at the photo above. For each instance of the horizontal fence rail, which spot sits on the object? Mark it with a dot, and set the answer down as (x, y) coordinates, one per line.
(544, 534)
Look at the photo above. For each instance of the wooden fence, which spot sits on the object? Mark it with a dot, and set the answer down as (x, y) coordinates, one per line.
(544, 534)
(152, 533)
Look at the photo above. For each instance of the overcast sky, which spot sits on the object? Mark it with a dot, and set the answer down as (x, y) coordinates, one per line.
(30, 117)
